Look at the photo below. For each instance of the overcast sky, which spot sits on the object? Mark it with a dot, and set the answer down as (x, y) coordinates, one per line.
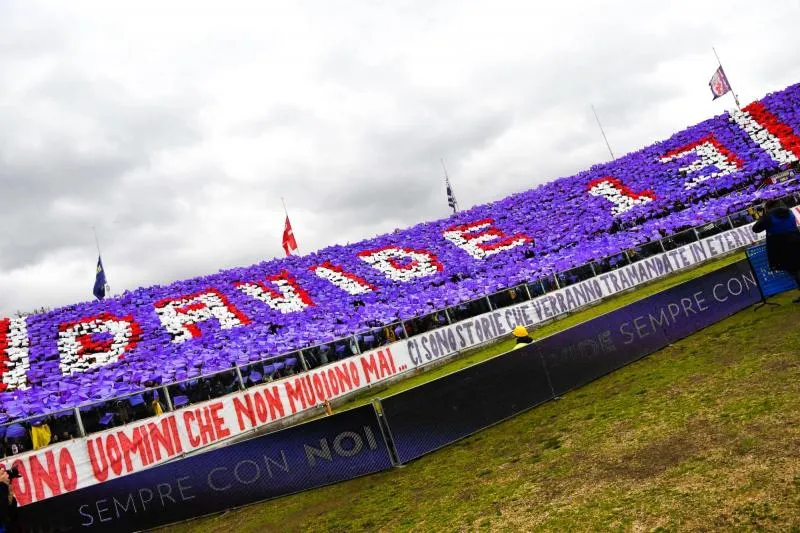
(175, 127)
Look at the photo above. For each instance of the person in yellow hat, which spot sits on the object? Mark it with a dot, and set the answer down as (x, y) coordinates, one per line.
(523, 339)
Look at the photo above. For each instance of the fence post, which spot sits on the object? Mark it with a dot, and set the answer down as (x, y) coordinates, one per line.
(696, 235)
(488, 301)
(555, 278)
(447, 316)
(403, 327)
(527, 291)
(541, 282)
(239, 375)
(663, 248)
(628, 257)
(356, 347)
(302, 358)
(168, 398)
(594, 272)
(79, 421)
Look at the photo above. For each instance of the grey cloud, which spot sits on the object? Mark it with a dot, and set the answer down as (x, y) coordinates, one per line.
(285, 115)
(400, 179)
(153, 162)
(64, 168)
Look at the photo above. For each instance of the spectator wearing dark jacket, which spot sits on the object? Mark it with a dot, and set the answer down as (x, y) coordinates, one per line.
(783, 238)
(8, 504)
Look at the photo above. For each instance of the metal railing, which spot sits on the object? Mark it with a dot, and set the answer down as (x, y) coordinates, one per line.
(21, 435)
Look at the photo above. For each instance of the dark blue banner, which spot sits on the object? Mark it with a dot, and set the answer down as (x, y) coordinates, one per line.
(587, 351)
(435, 414)
(440, 412)
(327, 450)
(772, 282)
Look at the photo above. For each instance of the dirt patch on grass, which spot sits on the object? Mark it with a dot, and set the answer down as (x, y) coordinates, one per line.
(781, 365)
(656, 456)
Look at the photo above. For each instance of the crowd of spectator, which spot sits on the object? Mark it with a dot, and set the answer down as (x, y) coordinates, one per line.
(38, 432)
(564, 234)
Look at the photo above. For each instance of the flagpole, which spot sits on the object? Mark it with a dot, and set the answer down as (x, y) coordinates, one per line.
(603, 132)
(96, 242)
(446, 177)
(735, 98)
(447, 181)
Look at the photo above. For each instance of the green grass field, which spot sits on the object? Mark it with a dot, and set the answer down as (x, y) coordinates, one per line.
(704, 434)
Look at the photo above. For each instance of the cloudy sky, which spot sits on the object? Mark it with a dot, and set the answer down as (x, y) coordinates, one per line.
(174, 127)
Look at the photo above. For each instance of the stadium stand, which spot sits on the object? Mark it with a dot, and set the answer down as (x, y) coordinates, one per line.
(253, 324)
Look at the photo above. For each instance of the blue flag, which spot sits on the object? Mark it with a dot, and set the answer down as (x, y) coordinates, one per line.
(99, 290)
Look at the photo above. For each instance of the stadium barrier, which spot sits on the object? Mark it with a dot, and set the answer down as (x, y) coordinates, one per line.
(611, 341)
(328, 450)
(125, 450)
(433, 415)
(415, 422)
(440, 412)
(771, 282)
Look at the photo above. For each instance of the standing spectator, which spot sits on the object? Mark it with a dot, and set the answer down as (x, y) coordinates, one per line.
(8, 504)
(783, 238)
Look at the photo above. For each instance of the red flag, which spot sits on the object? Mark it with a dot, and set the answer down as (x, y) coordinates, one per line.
(289, 243)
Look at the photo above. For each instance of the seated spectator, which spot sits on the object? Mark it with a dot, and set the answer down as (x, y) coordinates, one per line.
(17, 440)
(152, 400)
(138, 407)
(63, 427)
(322, 355)
(40, 433)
